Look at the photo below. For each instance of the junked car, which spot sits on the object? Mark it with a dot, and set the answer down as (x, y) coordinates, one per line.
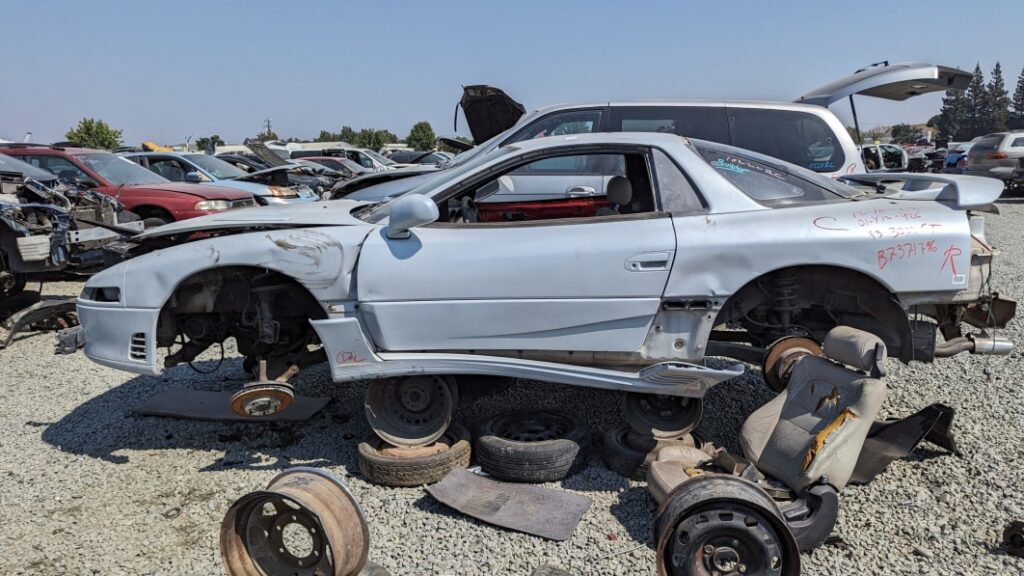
(198, 168)
(804, 132)
(151, 196)
(996, 155)
(698, 249)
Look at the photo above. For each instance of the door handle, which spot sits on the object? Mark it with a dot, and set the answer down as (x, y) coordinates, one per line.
(649, 262)
(580, 191)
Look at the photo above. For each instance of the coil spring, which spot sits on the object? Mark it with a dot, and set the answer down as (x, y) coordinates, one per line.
(785, 295)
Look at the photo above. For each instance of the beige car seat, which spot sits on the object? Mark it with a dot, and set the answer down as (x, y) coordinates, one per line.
(619, 193)
(817, 426)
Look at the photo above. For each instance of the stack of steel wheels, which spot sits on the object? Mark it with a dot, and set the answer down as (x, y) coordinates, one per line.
(652, 423)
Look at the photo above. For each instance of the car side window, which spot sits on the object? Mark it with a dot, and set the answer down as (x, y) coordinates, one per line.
(525, 193)
(768, 184)
(578, 122)
(64, 168)
(1017, 143)
(169, 168)
(796, 137)
(674, 188)
(702, 122)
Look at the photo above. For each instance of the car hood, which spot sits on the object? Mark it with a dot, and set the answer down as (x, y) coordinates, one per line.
(336, 213)
(891, 81)
(489, 111)
(259, 173)
(343, 189)
(205, 191)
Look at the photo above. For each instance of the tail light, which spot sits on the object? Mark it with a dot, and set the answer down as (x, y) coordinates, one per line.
(996, 156)
(961, 163)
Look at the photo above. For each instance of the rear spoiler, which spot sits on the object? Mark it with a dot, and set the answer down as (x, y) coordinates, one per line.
(963, 192)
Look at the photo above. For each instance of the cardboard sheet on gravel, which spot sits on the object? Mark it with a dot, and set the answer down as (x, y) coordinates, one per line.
(543, 512)
(203, 405)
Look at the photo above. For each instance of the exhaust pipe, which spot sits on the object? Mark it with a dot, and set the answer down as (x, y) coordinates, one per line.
(975, 344)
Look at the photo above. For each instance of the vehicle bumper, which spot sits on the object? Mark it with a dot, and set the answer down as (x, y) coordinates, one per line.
(118, 337)
(1000, 172)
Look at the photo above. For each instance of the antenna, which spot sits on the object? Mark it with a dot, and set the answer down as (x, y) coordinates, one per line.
(28, 137)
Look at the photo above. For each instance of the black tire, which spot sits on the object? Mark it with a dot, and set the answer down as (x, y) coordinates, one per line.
(13, 287)
(381, 463)
(513, 458)
(153, 222)
(630, 454)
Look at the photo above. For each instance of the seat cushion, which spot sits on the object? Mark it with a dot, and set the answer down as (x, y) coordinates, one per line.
(814, 428)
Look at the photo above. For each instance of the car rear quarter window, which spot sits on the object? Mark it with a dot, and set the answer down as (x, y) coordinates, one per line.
(674, 188)
(987, 144)
(560, 124)
(796, 137)
(701, 122)
(1017, 143)
(768, 184)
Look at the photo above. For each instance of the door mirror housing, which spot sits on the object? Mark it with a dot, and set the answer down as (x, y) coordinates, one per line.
(193, 178)
(410, 211)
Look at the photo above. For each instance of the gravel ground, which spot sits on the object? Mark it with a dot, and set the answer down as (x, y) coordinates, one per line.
(86, 487)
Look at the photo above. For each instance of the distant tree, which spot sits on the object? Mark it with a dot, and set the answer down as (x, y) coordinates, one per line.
(266, 135)
(209, 142)
(93, 133)
(998, 102)
(977, 110)
(347, 134)
(421, 137)
(1017, 114)
(327, 136)
(880, 132)
(952, 120)
(906, 134)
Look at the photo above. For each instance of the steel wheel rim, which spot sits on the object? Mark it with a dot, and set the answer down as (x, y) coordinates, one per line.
(413, 411)
(662, 417)
(532, 426)
(724, 539)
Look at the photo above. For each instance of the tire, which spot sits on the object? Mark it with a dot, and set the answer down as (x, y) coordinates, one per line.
(630, 454)
(16, 285)
(381, 463)
(153, 222)
(545, 460)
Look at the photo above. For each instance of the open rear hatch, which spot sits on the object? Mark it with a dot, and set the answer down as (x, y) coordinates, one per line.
(489, 111)
(891, 82)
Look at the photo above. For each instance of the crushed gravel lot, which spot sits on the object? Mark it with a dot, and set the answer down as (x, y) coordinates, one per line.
(87, 487)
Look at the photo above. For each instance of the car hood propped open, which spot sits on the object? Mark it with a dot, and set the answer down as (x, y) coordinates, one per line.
(489, 111)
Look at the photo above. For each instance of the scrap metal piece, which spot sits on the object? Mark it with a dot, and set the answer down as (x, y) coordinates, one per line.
(1013, 538)
(69, 340)
(896, 438)
(305, 523)
(59, 310)
(543, 512)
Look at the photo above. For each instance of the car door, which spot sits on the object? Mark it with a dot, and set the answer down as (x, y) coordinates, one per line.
(572, 284)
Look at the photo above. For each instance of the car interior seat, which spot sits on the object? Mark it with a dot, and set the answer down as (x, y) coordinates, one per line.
(172, 172)
(816, 427)
(619, 193)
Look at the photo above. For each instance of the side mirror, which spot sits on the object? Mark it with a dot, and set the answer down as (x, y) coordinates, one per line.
(410, 211)
(193, 178)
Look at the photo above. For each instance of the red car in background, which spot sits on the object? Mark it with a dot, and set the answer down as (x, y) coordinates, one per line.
(145, 193)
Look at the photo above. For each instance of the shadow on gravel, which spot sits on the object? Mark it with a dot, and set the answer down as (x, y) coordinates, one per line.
(106, 425)
(634, 511)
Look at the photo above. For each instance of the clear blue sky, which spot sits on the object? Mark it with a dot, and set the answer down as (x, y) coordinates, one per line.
(164, 71)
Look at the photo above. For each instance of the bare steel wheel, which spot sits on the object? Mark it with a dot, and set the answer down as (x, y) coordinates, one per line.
(661, 417)
(411, 411)
(714, 524)
(306, 523)
(262, 399)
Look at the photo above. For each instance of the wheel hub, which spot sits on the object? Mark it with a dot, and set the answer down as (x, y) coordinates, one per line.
(262, 399)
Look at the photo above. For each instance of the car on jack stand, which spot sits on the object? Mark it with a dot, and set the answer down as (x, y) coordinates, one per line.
(692, 237)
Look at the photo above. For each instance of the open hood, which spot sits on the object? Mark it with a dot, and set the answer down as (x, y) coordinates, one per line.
(266, 154)
(336, 213)
(892, 82)
(489, 111)
(257, 175)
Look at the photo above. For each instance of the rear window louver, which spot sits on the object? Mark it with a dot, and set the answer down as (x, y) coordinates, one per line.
(137, 347)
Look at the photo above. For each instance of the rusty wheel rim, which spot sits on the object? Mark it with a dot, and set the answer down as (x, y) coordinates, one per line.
(771, 367)
(306, 523)
(661, 417)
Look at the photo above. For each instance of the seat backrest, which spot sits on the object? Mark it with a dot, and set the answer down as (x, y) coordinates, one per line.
(817, 426)
(619, 193)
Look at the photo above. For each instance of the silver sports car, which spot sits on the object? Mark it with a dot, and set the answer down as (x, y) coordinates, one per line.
(685, 249)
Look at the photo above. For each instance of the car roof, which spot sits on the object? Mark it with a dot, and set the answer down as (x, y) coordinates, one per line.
(687, 102)
(610, 138)
(36, 148)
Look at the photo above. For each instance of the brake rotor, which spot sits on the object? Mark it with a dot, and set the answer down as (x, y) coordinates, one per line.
(413, 411)
(262, 399)
(781, 354)
(305, 523)
(661, 417)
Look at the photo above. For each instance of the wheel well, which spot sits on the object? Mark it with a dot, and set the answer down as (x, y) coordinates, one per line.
(267, 313)
(811, 300)
(144, 212)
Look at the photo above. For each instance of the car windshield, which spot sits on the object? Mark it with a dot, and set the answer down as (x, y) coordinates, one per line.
(119, 171)
(441, 181)
(216, 167)
(8, 164)
(384, 161)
